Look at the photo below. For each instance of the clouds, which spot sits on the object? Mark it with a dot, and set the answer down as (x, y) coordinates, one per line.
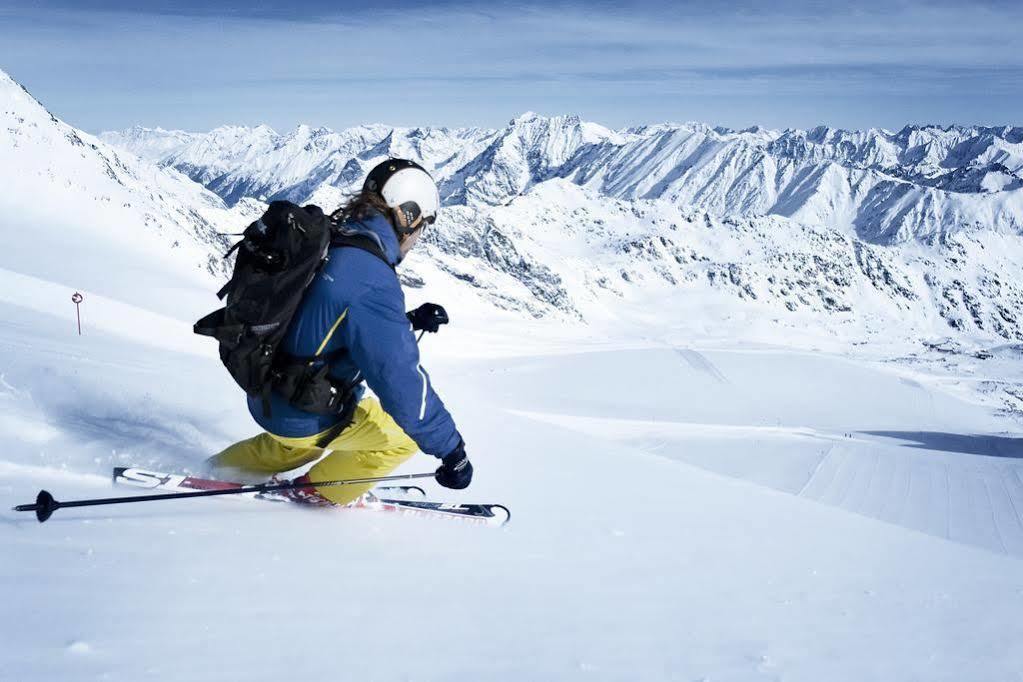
(200, 65)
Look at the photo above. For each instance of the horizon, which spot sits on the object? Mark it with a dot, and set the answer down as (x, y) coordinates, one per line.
(892, 131)
(108, 65)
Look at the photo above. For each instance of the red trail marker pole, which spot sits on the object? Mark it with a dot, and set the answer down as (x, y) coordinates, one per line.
(77, 299)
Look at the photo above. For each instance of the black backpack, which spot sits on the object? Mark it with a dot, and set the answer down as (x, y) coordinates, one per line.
(278, 257)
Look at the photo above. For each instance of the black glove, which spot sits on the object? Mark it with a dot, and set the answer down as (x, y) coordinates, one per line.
(427, 317)
(455, 471)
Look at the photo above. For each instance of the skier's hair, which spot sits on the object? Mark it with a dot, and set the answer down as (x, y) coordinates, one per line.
(360, 205)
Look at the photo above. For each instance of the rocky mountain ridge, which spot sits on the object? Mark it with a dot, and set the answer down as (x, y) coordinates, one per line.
(920, 183)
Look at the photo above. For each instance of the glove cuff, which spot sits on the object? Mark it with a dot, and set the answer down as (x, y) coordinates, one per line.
(453, 457)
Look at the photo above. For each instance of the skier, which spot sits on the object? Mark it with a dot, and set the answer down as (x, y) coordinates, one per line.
(352, 322)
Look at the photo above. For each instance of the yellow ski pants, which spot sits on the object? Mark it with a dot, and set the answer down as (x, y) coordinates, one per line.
(372, 445)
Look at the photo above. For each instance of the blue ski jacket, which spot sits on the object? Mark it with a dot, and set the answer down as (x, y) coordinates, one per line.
(353, 315)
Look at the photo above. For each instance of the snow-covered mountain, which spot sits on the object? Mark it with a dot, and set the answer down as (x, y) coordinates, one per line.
(563, 247)
(237, 162)
(151, 144)
(920, 183)
(871, 234)
(65, 192)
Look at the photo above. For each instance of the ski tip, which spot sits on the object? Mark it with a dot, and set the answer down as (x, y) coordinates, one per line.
(507, 513)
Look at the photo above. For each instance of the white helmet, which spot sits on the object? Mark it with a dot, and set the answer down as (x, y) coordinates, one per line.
(408, 189)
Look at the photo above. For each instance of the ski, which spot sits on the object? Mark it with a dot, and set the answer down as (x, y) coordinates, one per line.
(481, 514)
(143, 478)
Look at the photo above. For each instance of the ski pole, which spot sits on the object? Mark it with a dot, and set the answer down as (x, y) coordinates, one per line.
(45, 505)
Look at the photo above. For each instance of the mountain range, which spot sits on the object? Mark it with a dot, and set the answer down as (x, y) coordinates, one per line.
(873, 234)
(687, 229)
(919, 183)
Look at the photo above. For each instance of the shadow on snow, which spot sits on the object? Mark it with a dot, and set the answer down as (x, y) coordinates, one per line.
(969, 444)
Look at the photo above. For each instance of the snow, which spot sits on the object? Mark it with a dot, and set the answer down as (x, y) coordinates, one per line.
(68, 195)
(678, 514)
(700, 488)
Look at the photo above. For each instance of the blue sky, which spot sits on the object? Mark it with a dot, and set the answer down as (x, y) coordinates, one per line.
(105, 64)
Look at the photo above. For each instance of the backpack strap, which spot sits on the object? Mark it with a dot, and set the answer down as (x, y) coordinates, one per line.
(360, 241)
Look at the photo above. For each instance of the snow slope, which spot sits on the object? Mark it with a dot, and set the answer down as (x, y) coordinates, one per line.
(68, 196)
(702, 515)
